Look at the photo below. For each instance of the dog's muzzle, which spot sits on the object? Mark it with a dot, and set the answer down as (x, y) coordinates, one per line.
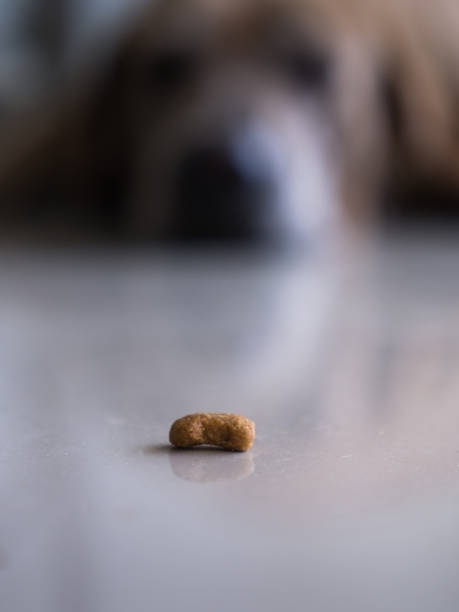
(227, 190)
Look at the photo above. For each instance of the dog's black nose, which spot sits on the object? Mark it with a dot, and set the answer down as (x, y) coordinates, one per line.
(223, 192)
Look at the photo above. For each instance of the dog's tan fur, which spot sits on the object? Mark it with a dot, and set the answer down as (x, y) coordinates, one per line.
(390, 116)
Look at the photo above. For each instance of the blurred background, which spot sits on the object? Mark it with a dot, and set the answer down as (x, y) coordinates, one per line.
(42, 40)
(349, 499)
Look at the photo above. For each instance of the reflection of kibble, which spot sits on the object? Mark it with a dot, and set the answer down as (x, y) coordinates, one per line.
(230, 431)
(205, 465)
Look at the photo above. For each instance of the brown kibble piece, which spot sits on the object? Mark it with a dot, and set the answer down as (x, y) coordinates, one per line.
(229, 431)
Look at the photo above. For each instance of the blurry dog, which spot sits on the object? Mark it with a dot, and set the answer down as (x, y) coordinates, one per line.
(249, 119)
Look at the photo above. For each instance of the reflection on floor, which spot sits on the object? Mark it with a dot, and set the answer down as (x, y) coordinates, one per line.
(348, 368)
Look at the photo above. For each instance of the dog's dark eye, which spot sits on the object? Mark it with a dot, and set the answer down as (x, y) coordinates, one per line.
(171, 70)
(307, 68)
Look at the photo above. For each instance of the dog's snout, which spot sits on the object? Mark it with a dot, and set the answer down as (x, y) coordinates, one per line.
(215, 172)
(224, 191)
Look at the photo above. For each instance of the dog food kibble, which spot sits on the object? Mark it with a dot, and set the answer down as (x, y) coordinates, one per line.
(230, 431)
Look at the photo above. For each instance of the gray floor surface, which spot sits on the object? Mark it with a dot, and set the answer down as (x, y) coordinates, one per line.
(349, 498)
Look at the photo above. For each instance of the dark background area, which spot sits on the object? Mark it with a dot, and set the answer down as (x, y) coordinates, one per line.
(41, 41)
